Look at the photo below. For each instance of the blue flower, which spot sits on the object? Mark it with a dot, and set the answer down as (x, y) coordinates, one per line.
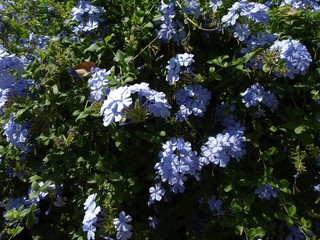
(256, 12)
(224, 114)
(316, 188)
(267, 191)
(302, 4)
(214, 4)
(156, 192)
(123, 226)
(90, 218)
(255, 95)
(297, 234)
(177, 64)
(153, 222)
(88, 16)
(215, 205)
(173, 70)
(97, 83)
(191, 7)
(156, 102)
(176, 161)
(112, 108)
(294, 54)
(230, 143)
(17, 134)
(170, 27)
(192, 99)
(241, 32)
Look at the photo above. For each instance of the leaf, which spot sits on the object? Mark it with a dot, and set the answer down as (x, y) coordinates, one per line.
(93, 48)
(280, 216)
(89, 111)
(239, 229)
(292, 211)
(30, 220)
(55, 89)
(300, 129)
(115, 177)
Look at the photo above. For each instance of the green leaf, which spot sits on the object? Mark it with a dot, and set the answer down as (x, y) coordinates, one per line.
(115, 176)
(30, 220)
(239, 230)
(260, 232)
(292, 211)
(55, 89)
(107, 39)
(300, 129)
(228, 188)
(280, 216)
(93, 48)
(89, 111)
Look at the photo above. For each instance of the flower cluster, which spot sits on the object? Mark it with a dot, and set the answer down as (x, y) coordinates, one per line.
(302, 4)
(97, 83)
(33, 198)
(10, 85)
(224, 114)
(295, 56)
(255, 95)
(215, 205)
(260, 39)
(230, 143)
(256, 12)
(297, 234)
(177, 64)
(90, 218)
(120, 99)
(267, 191)
(170, 27)
(88, 16)
(214, 4)
(123, 226)
(192, 99)
(17, 134)
(190, 7)
(176, 161)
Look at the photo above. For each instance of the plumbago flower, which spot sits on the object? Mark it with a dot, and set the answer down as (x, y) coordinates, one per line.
(10, 85)
(170, 27)
(156, 192)
(17, 134)
(90, 218)
(88, 16)
(267, 191)
(192, 99)
(177, 64)
(219, 149)
(176, 161)
(255, 95)
(191, 7)
(97, 83)
(214, 4)
(117, 105)
(215, 205)
(302, 4)
(294, 55)
(123, 226)
(256, 12)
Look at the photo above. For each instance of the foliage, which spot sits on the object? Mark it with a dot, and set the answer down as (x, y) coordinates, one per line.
(144, 119)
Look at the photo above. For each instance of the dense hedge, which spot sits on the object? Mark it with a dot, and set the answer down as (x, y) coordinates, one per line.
(143, 119)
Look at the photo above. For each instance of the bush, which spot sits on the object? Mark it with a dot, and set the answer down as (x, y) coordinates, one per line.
(137, 119)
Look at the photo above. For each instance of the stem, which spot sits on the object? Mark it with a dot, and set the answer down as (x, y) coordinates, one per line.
(149, 44)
